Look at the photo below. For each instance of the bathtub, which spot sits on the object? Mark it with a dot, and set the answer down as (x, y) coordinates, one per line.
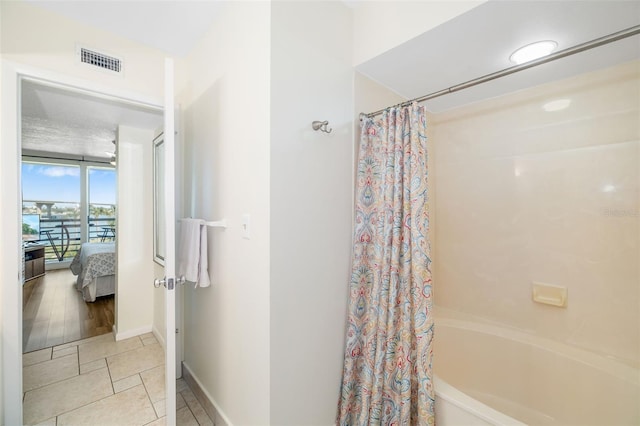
(492, 375)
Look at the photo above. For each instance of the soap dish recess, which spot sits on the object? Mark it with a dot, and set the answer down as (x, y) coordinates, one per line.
(550, 294)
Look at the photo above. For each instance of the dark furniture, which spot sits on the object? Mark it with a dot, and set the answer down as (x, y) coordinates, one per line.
(33, 261)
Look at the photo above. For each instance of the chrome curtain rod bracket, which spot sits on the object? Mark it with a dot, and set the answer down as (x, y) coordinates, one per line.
(629, 32)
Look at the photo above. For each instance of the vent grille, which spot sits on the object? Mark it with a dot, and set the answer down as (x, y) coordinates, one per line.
(100, 60)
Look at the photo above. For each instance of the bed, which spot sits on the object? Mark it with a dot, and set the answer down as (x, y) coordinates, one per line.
(95, 266)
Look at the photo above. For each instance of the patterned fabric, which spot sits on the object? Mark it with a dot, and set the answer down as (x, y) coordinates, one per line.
(93, 260)
(387, 377)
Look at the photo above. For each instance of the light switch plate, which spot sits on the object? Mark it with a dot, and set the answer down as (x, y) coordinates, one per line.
(246, 226)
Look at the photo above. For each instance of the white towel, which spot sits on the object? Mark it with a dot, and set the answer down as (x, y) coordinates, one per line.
(192, 252)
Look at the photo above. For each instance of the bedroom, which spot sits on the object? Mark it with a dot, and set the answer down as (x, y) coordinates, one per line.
(69, 198)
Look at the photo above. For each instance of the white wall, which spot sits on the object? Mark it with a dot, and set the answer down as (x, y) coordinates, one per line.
(37, 37)
(311, 79)
(226, 175)
(2, 366)
(10, 257)
(134, 282)
(383, 25)
(525, 195)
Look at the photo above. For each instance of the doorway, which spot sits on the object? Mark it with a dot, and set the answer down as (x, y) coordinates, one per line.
(12, 311)
(69, 203)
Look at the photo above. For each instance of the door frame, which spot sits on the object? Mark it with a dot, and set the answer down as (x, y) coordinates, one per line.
(12, 74)
(169, 171)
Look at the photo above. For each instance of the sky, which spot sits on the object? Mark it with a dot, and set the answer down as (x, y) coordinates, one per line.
(47, 182)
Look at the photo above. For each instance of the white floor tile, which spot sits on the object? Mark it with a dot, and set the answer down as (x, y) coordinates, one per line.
(197, 409)
(93, 365)
(106, 348)
(36, 357)
(73, 350)
(160, 407)
(134, 369)
(154, 383)
(47, 372)
(52, 400)
(126, 383)
(184, 417)
(48, 422)
(135, 361)
(130, 407)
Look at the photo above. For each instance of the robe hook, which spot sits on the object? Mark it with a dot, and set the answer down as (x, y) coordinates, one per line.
(322, 126)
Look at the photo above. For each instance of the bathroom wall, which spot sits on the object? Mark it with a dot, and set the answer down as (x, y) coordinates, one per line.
(311, 79)
(134, 290)
(2, 218)
(35, 37)
(226, 122)
(524, 195)
(382, 25)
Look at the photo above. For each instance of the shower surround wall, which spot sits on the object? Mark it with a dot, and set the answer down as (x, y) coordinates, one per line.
(525, 195)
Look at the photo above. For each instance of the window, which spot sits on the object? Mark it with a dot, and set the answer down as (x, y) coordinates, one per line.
(59, 213)
(102, 204)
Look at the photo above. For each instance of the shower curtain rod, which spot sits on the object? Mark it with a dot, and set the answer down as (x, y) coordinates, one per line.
(629, 32)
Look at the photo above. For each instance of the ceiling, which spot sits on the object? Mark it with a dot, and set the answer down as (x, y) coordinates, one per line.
(67, 124)
(473, 44)
(76, 125)
(173, 26)
(481, 40)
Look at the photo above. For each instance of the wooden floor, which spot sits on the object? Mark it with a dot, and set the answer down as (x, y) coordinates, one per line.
(55, 313)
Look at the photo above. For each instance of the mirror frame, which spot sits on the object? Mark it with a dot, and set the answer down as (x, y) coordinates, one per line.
(158, 196)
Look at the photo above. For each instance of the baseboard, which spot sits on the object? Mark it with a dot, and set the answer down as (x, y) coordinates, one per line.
(130, 333)
(204, 398)
(160, 337)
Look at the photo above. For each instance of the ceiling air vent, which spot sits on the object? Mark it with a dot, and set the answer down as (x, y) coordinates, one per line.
(100, 60)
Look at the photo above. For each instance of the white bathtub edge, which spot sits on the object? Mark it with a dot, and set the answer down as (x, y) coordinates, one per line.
(463, 401)
(610, 366)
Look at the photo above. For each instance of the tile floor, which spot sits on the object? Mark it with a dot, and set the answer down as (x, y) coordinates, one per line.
(98, 381)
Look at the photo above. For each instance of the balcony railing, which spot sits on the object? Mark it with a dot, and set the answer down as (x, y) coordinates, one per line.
(62, 237)
(60, 226)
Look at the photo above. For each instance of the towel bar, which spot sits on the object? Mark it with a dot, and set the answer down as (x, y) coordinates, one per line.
(216, 224)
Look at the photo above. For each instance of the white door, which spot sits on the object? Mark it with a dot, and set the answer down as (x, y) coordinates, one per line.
(169, 280)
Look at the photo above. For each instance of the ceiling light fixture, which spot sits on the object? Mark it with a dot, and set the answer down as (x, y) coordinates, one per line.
(112, 157)
(533, 51)
(608, 188)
